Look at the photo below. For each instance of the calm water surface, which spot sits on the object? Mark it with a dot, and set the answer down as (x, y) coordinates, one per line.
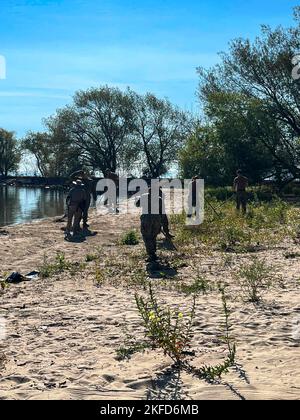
(23, 205)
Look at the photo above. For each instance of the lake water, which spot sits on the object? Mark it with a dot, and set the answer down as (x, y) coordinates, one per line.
(21, 205)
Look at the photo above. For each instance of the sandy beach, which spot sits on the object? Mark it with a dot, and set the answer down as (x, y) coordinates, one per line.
(62, 333)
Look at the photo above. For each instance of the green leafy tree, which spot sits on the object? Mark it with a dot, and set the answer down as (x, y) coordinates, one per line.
(99, 122)
(261, 72)
(160, 129)
(55, 155)
(202, 155)
(10, 155)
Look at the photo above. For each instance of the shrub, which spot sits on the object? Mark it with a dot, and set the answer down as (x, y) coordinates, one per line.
(254, 278)
(200, 285)
(164, 328)
(91, 258)
(59, 265)
(130, 238)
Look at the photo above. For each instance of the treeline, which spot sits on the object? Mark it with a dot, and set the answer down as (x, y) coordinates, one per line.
(250, 120)
(107, 128)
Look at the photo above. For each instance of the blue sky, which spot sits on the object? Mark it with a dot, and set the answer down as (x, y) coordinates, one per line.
(53, 48)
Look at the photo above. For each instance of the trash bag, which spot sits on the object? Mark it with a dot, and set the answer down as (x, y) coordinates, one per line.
(15, 277)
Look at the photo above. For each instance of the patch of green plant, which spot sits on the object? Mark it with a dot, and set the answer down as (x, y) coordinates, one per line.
(99, 275)
(138, 278)
(211, 373)
(228, 230)
(235, 237)
(228, 261)
(131, 345)
(3, 282)
(91, 257)
(169, 330)
(59, 265)
(255, 278)
(130, 238)
(200, 286)
(125, 353)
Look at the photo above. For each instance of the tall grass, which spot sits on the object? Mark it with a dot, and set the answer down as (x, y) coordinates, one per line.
(227, 230)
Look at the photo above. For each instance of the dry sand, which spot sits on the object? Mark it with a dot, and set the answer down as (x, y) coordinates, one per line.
(63, 332)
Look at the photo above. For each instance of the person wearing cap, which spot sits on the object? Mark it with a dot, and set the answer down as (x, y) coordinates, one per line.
(76, 203)
(90, 187)
(240, 185)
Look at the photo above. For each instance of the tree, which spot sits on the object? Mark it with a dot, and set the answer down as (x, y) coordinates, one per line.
(99, 122)
(160, 129)
(10, 155)
(55, 155)
(106, 128)
(39, 145)
(203, 156)
(230, 140)
(241, 127)
(261, 71)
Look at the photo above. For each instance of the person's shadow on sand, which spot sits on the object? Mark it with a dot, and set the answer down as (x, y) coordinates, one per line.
(82, 237)
(167, 245)
(75, 239)
(159, 270)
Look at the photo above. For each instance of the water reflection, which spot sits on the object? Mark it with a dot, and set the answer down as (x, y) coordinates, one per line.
(19, 205)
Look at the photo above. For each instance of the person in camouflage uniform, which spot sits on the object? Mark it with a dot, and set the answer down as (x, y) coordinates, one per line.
(90, 187)
(76, 203)
(153, 224)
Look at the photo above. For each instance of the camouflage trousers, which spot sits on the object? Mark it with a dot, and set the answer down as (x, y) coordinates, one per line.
(74, 217)
(150, 228)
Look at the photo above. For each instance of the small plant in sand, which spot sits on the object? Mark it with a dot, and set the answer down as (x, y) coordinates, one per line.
(99, 275)
(138, 279)
(171, 331)
(212, 373)
(234, 237)
(228, 261)
(130, 238)
(59, 265)
(255, 278)
(3, 282)
(131, 345)
(167, 329)
(91, 257)
(200, 286)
